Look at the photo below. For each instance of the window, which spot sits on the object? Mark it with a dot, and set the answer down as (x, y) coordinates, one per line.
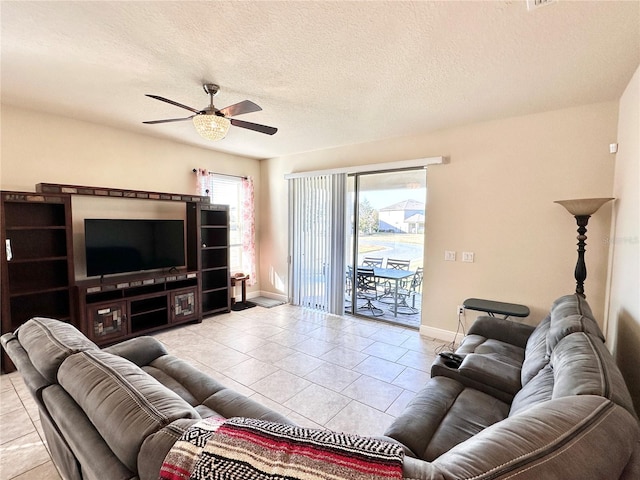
(238, 193)
(228, 191)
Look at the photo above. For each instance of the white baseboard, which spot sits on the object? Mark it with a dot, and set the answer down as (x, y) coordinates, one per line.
(439, 333)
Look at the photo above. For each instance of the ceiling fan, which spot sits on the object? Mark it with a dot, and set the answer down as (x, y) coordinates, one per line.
(213, 124)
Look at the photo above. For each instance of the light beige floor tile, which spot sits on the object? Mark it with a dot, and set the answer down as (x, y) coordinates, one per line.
(46, 471)
(386, 351)
(317, 403)
(314, 347)
(271, 352)
(391, 336)
(289, 338)
(273, 405)
(22, 455)
(299, 363)
(10, 401)
(250, 371)
(380, 368)
(15, 424)
(412, 379)
(345, 357)
(354, 342)
(360, 419)
(373, 392)
(280, 386)
(333, 376)
(400, 403)
(418, 360)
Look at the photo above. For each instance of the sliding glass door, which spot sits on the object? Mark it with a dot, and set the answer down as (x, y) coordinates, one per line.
(384, 245)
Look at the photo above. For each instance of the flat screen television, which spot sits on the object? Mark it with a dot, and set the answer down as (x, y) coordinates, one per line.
(120, 246)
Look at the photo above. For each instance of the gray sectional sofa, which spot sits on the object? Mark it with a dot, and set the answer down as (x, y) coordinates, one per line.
(524, 403)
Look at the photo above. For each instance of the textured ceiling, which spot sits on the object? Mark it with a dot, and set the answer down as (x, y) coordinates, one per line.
(326, 73)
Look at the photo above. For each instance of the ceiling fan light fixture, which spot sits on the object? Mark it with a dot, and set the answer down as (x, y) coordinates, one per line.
(212, 127)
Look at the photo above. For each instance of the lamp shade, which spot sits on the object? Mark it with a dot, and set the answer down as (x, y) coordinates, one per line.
(211, 126)
(583, 206)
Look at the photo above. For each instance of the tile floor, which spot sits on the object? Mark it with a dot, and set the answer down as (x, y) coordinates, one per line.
(343, 373)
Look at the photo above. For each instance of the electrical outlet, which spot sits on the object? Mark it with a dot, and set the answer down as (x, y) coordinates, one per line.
(460, 310)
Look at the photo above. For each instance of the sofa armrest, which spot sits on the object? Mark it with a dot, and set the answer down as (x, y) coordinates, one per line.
(34, 381)
(491, 372)
(470, 379)
(502, 329)
(140, 350)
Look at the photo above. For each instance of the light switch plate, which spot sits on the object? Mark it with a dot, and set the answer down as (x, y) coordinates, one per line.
(467, 257)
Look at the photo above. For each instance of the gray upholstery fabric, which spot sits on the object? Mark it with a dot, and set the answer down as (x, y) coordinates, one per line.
(504, 330)
(582, 365)
(560, 439)
(539, 389)
(491, 371)
(572, 304)
(536, 356)
(156, 446)
(95, 457)
(443, 414)
(140, 350)
(48, 342)
(122, 401)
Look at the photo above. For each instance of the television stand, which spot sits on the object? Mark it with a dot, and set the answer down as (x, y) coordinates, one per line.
(116, 308)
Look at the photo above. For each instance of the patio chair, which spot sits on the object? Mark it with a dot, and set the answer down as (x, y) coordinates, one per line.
(366, 290)
(372, 262)
(387, 295)
(412, 292)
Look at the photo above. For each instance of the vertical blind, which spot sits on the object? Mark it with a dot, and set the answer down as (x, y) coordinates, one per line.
(316, 242)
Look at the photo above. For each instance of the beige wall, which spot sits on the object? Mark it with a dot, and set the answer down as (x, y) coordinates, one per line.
(38, 147)
(495, 198)
(623, 332)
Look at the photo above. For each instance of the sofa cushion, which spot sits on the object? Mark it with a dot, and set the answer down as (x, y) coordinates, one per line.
(573, 304)
(585, 437)
(582, 365)
(535, 353)
(443, 414)
(49, 342)
(123, 402)
(539, 389)
(570, 314)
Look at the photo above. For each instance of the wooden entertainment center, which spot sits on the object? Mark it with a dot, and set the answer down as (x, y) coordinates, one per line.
(38, 268)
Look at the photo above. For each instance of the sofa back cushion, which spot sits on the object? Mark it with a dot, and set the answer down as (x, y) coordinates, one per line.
(539, 389)
(571, 305)
(123, 402)
(535, 353)
(570, 314)
(582, 365)
(49, 342)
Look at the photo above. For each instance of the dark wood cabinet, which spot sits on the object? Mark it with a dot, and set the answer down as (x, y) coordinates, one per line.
(37, 260)
(209, 225)
(132, 305)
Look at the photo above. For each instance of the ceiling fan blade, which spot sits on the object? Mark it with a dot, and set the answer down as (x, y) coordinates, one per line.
(162, 99)
(254, 126)
(151, 122)
(246, 106)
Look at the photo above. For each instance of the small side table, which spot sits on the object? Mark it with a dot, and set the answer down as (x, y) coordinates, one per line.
(243, 282)
(492, 307)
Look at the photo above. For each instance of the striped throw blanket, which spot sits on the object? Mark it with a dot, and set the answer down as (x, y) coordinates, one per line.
(250, 449)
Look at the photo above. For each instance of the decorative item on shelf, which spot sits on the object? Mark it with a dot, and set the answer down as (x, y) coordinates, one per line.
(582, 209)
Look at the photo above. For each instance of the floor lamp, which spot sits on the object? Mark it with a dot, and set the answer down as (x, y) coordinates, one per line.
(582, 209)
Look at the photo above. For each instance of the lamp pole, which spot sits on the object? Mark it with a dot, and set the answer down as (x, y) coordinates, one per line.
(580, 272)
(582, 209)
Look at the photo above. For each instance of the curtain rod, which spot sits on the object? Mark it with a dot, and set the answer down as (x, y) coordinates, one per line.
(195, 170)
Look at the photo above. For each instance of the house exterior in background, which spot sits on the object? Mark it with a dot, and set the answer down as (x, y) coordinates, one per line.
(402, 217)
